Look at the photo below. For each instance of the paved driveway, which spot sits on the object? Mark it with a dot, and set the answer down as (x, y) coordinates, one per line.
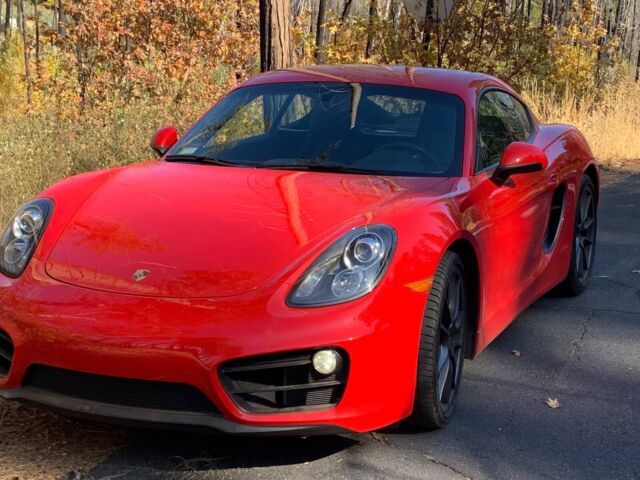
(585, 352)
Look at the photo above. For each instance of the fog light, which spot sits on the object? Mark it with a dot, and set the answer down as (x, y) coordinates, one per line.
(327, 362)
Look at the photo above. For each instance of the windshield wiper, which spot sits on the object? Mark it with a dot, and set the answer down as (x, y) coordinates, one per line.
(323, 168)
(201, 159)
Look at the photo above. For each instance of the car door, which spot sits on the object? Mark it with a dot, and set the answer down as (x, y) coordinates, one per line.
(510, 218)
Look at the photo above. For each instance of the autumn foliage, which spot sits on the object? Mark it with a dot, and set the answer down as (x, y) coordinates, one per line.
(165, 48)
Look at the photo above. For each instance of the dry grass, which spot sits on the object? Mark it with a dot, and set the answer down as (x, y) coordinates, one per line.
(39, 149)
(37, 445)
(609, 119)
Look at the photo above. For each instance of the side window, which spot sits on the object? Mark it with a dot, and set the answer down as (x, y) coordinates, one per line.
(515, 116)
(501, 120)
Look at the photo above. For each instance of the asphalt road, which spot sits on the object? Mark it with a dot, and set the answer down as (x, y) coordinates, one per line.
(584, 351)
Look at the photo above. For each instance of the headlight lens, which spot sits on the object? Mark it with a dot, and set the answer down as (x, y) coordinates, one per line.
(21, 237)
(348, 269)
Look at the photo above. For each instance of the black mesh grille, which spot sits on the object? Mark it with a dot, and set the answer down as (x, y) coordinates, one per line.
(282, 382)
(119, 391)
(6, 353)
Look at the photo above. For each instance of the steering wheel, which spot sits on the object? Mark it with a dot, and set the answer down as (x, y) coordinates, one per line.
(427, 159)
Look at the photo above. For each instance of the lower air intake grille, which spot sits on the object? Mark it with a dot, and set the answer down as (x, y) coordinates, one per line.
(6, 353)
(282, 383)
(119, 391)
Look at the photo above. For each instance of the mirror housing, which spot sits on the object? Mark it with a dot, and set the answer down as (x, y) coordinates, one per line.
(520, 157)
(163, 139)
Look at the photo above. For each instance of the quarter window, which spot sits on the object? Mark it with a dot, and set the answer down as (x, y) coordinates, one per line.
(502, 119)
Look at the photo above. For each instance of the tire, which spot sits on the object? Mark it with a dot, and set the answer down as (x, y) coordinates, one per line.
(442, 346)
(583, 241)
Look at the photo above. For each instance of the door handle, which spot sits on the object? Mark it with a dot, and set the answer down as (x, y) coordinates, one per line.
(553, 181)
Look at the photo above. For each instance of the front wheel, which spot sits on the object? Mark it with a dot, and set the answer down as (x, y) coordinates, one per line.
(584, 241)
(442, 346)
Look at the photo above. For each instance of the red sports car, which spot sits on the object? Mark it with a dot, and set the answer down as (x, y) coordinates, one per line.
(319, 253)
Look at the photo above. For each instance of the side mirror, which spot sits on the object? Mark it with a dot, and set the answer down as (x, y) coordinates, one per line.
(520, 157)
(163, 140)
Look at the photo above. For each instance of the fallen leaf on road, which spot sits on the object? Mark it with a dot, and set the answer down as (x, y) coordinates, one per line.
(379, 438)
(552, 403)
(516, 353)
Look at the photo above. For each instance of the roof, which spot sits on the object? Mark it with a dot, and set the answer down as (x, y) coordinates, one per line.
(442, 79)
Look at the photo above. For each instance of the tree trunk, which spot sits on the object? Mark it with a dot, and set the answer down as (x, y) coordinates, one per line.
(62, 19)
(346, 13)
(507, 6)
(618, 20)
(275, 35)
(347, 10)
(633, 23)
(25, 42)
(395, 10)
(7, 19)
(37, 22)
(321, 31)
(373, 13)
(2, 22)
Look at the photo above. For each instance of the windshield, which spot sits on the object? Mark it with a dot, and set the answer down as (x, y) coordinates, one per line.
(355, 128)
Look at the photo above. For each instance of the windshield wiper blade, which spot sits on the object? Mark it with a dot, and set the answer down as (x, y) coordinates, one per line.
(201, 159)
(322, 168)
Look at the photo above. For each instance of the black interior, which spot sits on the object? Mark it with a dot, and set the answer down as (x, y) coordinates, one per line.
(339, 130)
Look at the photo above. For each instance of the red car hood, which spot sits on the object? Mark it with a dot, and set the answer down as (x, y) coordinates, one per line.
(184, 230)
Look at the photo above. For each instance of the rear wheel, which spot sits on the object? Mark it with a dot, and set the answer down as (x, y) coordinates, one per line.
(584, 241)
(442, 346)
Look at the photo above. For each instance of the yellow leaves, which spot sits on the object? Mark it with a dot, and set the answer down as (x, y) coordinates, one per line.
(576, 48)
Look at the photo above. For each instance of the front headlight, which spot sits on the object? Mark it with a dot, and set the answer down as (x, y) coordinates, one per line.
(348, 269)
(21, 237)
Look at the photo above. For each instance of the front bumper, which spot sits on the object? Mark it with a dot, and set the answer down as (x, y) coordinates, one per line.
(156, 418)
(188, 340)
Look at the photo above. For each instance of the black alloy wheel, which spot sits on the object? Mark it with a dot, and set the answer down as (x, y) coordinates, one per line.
(584, 241)
(442, 346)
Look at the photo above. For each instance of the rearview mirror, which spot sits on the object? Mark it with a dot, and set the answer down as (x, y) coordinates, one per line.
(163, 140)
(520, 157)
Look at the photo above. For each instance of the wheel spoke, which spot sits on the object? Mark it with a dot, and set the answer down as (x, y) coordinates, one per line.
(453, 299)
(586, 250)
(449, 383)
(584, 206)
(443, 375)
(580, 259)
(578, 253)
(442, 358)
(456, 359)
(586, 225)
